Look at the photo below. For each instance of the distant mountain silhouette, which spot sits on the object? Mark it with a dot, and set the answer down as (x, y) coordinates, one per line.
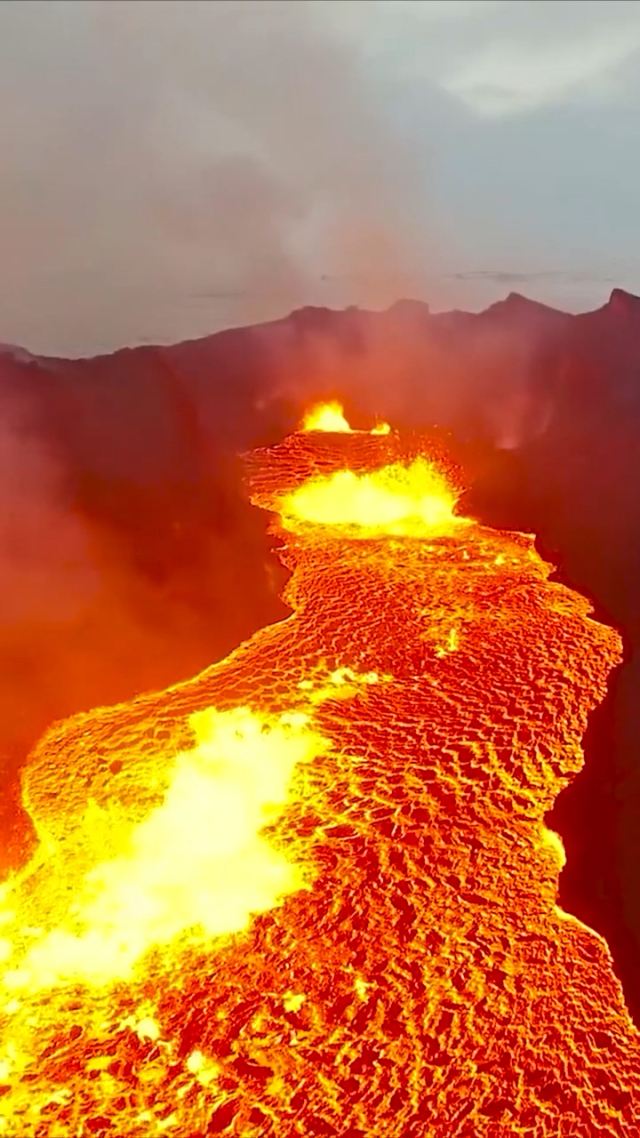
(131, 558)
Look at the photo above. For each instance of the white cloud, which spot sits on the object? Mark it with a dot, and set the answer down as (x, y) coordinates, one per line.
(509, 77)
(498, 56)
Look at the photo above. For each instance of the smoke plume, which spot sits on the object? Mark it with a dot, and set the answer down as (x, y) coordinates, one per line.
(170, 168)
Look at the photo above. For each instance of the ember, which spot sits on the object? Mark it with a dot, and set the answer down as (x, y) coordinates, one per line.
(311, 891)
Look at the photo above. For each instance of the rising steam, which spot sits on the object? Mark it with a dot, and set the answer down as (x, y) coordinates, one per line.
(204, 164)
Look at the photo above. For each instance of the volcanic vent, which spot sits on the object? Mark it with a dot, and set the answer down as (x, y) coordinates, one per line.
(311, 892)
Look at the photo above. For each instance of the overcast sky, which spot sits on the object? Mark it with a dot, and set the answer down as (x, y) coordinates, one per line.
(168, 169)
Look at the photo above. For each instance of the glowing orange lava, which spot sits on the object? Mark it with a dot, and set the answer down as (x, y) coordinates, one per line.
(330, 417)
(395, 499)
(311, 891)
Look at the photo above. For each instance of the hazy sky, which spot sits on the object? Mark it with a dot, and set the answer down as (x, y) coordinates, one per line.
(168, 169)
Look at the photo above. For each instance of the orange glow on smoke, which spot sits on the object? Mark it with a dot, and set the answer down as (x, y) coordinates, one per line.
(311, 891)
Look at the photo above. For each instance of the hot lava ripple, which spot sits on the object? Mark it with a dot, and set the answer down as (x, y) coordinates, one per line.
(311, 892)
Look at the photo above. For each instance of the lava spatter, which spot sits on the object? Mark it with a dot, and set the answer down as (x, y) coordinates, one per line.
(311, 891)
(330, 417)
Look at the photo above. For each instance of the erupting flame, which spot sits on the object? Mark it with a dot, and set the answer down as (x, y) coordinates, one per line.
(396, 499)
(326, 417)
(330, 417)
(311, 891)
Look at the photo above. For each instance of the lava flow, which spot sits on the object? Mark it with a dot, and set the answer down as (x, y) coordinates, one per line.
(311, 892)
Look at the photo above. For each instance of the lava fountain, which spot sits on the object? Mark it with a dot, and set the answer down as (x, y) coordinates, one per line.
(311, 891)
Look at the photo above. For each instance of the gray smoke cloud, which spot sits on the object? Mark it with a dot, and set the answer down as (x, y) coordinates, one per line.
(171, 168)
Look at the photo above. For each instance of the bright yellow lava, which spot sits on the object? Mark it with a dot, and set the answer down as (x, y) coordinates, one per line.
(330, 417)
(326, 417)
(395, 499)
(196, 864)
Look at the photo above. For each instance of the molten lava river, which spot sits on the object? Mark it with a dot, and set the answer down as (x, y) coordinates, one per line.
(311, 891)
